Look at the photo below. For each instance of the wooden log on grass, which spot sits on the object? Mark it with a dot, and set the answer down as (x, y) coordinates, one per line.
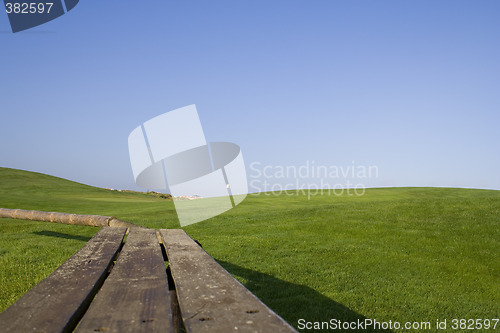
(65, 218)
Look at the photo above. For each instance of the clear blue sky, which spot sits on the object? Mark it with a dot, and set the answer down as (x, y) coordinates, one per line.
(412, 87)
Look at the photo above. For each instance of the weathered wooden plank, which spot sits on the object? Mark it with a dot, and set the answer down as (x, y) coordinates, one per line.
(57, 303)
(210, 299)
(135, 296)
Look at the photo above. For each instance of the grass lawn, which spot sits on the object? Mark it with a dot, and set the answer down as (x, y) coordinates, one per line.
(399, 254)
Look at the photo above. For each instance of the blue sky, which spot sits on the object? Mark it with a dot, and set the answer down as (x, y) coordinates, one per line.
(409, 86)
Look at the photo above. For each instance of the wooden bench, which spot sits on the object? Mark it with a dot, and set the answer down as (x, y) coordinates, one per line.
(143, 281)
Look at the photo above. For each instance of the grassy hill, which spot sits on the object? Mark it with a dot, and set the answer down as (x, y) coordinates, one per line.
(399, 254)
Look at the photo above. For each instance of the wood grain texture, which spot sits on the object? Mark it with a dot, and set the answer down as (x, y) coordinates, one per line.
(135, 296)
(57, 303)
(210, 299)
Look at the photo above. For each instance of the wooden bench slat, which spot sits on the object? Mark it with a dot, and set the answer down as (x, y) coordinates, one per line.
(57, 302)
(210, 299)
(135, 296)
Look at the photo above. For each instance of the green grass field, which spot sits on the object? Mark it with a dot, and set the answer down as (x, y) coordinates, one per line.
(399, 254)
